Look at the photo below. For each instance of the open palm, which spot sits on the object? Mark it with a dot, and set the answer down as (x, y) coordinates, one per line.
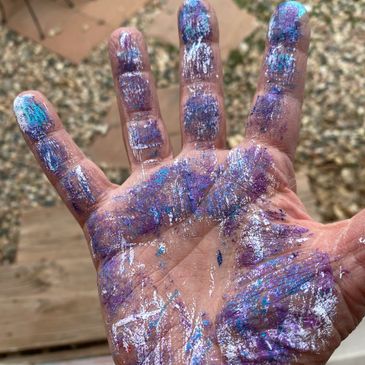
(208, 258)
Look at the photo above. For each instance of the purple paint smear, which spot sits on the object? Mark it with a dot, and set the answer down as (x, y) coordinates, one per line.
(186, 188)
(76, 185)
(201, 117)
(266, 113)
(136, 92)
(145, 137)
(129, 57)
(194, 22)
(53, 155)
(283, 306)
(285, 24)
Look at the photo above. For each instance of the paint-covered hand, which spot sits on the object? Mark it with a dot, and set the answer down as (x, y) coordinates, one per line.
(209, 257)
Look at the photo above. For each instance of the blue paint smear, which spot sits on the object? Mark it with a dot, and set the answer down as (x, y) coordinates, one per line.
(266, 110)
(130, 57)
(219, 257)
(144, 135)
(136, 92)
(201, 117)
(161, 251)
(194, 22)
(280, 63)
(52, 154)
(285, 23)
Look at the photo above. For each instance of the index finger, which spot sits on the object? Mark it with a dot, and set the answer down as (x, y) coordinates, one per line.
(78, 181)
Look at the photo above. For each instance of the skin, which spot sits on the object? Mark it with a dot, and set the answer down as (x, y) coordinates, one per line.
(208, 257)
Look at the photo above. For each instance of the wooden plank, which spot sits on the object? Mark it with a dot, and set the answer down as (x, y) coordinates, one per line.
(91, 361)
(57, 356)
(49, 303)
(50, 234)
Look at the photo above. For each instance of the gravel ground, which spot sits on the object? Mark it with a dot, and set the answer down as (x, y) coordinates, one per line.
(332, 146)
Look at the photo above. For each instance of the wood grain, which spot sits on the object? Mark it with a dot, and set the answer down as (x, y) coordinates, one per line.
(49, 297)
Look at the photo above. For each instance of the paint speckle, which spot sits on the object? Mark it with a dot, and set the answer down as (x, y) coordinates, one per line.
(194, 22)
(32, 116)
(161, 250)
(219, 258)
(201, 117)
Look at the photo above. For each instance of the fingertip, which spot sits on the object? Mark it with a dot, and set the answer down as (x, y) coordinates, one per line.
(114, 38)
(33, 115)
(288, 24)
(197, 22)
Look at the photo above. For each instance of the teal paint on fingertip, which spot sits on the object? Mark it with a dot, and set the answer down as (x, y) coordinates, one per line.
(285, 25)
(32, 116)
(301, 9)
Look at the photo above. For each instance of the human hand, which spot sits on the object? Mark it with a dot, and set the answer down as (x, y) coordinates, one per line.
(209, 257)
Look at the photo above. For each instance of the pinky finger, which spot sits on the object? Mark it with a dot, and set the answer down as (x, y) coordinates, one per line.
(79, 182)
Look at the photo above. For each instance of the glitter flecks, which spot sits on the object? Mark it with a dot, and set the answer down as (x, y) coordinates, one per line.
(145, 138)
(32, 116)
(201, 117)
(194, 22)
(281, 64)
(77, 188)
(129, 57)
(284, 34)
(53, 155)
(266, 110)
(258, 236)
(136, 92)
(198, 61)
(284, 27)
(262, 325)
